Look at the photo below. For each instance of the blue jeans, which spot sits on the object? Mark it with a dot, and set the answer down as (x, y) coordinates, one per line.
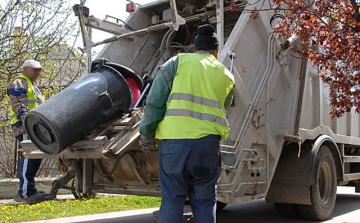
(189, 167)
(27, 171)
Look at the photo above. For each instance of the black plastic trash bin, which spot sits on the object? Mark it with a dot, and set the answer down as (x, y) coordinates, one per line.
(77, 110)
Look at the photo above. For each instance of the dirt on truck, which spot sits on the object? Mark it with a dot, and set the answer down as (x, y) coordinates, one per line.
(283, 145)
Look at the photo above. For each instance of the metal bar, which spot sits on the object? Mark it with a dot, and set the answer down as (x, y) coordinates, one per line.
(112, 17)
(321, 104)
(232, 58)
(196, 17)
(135, 33)
(240, 185)
(89, 142)
(61, 182)
(88, 48)
(160, 26)
(173, 11)
(103, 25)
(220, 22)
(351, 159)
(342, 149)
(88, 173)
(176, 19)
(86, 33)
(342, 154)
(303, 69)
(351, 176)
(146, 89)
(75, 165)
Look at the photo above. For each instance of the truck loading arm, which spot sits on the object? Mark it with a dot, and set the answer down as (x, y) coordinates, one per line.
(176, 22)
(134, 33)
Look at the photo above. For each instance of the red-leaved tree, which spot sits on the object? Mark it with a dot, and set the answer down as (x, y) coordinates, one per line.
(328, 34)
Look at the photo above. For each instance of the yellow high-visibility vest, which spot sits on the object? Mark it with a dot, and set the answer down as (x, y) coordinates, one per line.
(195, 107)
(32, 100)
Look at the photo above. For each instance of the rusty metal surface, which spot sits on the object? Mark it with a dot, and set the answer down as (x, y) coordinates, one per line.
(292, 178)
(116, 188)
(109, 139)
(351, 176)
(115, 151)
(351, 159)
(135, 166)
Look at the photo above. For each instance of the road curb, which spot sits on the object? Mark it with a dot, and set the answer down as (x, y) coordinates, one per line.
(9, 186)
(102, 217)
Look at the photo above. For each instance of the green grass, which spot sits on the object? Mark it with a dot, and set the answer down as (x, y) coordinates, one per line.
(2, 176)
(59, 209)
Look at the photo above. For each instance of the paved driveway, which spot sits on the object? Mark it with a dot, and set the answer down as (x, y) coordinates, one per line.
(347, 210)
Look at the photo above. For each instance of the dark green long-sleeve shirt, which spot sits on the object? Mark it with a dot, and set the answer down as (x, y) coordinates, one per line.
(156, 101)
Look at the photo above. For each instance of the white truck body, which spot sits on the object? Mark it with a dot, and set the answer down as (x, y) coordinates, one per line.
(280, 119)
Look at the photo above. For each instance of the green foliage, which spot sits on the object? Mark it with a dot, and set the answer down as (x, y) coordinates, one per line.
(59, 209)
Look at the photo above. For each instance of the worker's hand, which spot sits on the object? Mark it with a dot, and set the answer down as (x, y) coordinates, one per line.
(145, 142)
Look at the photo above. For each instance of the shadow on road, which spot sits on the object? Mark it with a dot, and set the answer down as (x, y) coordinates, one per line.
(258, 211)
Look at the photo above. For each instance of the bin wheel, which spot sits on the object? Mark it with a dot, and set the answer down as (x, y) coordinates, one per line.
(323, 191)
(287, 210)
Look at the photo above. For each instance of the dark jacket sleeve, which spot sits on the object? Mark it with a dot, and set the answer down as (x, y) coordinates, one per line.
(229, 99)
(156, 100)
(17, 92)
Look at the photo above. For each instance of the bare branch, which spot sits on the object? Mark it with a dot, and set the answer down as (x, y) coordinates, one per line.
(356, 8)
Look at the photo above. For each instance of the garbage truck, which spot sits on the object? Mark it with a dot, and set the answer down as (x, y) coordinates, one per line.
(283, 145)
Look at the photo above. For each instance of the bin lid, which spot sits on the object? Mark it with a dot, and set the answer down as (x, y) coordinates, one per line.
(41, 134)
(125, 71)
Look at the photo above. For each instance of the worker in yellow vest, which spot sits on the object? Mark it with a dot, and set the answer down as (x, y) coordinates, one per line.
(23, 96)
(185, 108)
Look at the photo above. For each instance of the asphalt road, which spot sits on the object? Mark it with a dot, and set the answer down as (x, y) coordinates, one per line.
(347, 210)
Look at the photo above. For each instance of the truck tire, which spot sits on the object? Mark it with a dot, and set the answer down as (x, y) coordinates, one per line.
(323, 191)
(287, 210)
(220, 206)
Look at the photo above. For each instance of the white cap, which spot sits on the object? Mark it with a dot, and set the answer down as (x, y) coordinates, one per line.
(34, 64)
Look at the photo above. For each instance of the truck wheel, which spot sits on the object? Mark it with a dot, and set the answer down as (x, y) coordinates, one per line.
(220, 206)
(287, 210)
(323, 191)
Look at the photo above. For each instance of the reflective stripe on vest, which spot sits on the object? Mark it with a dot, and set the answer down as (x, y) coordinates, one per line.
(167, 77)
(197, 115)
(13, 116)
(195, 107)
(194, 99)
(193, 114)
(32, 101)
(29, 102)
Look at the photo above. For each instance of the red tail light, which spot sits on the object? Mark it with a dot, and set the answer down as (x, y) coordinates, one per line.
(130, 7)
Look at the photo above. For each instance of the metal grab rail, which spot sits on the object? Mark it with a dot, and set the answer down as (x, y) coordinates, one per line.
(242, 184)
(248, 116)
(268, 73)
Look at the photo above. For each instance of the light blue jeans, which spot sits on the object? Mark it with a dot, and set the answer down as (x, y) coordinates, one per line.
(189, 167)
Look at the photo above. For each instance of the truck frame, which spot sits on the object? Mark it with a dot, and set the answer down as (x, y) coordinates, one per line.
(283, 145)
